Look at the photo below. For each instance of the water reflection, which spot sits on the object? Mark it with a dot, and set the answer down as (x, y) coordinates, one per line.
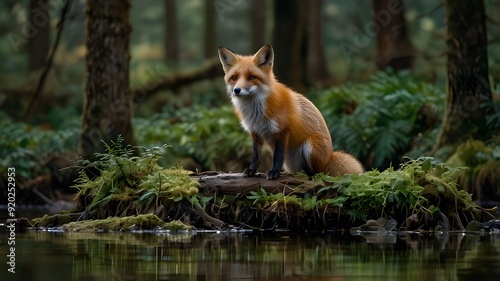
(228, 256)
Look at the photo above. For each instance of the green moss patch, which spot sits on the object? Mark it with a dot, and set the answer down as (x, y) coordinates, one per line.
(140, 222)
(483, 173)
(53, 220)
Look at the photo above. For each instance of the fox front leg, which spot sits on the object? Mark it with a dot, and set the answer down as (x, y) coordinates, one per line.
(257, 144)
(278, 158)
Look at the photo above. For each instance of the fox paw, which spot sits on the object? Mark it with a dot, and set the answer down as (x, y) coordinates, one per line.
(273, 174)
(248, 173)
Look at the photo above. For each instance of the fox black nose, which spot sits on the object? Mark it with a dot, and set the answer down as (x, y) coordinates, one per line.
(237, 90)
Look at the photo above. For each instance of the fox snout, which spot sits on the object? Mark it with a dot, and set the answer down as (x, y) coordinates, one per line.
(241, 92)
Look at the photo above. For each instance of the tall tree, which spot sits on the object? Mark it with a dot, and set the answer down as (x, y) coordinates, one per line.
(107, 110)
(210, 45)
(316, 68)
(468, 93)
(172, 38)
(394, 47)
(288, 42)
(38, 45)
(298, 39)
(259, 24)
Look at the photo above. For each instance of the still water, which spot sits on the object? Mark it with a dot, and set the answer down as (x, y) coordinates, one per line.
(44, 256)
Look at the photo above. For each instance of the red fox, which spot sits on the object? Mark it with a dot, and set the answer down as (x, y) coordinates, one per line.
(287, 121)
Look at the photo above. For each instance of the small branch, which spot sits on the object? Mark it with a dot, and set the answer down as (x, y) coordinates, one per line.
(210, 69)
(208, 221)
(48, 66)
(492, 21)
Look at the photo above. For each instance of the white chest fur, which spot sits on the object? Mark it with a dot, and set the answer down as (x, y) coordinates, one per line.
(254, 119)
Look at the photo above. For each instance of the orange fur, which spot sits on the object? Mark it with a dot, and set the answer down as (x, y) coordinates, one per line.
(286, 120)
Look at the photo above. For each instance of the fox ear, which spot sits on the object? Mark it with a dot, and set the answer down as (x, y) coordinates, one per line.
(227, 58)
(264, 56)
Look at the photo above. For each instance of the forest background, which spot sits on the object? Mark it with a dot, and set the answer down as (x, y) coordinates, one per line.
(379, 107)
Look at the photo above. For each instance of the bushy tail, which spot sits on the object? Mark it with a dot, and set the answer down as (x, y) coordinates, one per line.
(342, 163)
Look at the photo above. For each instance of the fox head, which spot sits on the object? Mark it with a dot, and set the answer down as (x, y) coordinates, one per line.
(247, 76)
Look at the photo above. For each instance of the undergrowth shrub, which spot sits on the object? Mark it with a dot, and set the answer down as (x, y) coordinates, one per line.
(420, 186)
(379, 121)
(209, 136)
(420, 191)
(119, 183)
(23, 146)
(482, 178)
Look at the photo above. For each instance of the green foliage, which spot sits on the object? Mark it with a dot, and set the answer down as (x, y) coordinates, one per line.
(379, 119)
(138, 179)
(483, 162)
(493, 120)
(209, 136)
(21, 146)
(474, 153)
(421, 185)
(284, 205)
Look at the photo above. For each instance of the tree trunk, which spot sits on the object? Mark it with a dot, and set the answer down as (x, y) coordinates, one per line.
(38, 45)
(468, 94)
(210, 37)
(288, 39)
(394, 48)
(259, 24)
(317, 70)
(172, 38)
(107, 110)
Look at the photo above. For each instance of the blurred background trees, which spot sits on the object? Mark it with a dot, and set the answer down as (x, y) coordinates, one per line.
(38, 44)
(394, 48)
(332, 41)
(381, 72)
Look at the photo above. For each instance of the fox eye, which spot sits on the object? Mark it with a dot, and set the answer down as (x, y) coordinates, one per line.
(234, 78)
(251, 77)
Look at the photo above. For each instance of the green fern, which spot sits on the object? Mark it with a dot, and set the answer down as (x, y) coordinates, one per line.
(139, 179)
(378, 120)
(210, 136)
(24, 146)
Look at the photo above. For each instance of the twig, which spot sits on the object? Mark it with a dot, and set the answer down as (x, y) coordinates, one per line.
(48, 66)
(492, 21)
(207, 219)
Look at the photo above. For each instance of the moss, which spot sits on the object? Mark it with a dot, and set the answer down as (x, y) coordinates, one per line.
(140, 222)
(52, 220)
(471, 153)
(483, 173)
(176, 225)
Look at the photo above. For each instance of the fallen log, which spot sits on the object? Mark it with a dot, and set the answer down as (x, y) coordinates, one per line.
(235, 183)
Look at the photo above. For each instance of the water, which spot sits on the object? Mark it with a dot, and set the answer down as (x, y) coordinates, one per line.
(44, 256)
